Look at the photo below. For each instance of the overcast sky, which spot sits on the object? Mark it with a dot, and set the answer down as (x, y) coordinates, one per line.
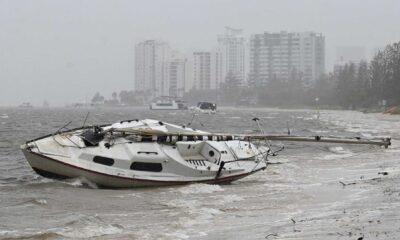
(65, 51)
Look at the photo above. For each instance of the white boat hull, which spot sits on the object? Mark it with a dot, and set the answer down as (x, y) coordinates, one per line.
(55, 169)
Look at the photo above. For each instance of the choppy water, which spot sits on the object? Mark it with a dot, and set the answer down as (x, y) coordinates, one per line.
(318, 191)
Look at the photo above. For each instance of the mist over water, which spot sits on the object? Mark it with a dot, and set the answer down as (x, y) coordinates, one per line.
(313, 191)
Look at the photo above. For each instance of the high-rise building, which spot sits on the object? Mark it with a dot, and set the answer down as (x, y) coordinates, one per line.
(207, 72)
(159, 70)
(231, 46)
(152, 67)
(280, 55)
(202, 70)
(178, 75)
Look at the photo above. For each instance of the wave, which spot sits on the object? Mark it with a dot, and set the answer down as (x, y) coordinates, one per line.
(88, 227)
(33, 201)
(339, 150)
(14, 235)
(82, 228)
(81, 182)
(200, 188)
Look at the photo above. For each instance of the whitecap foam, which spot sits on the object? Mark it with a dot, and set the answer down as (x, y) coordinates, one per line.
(336, 156)
(178, 235)
(29, 235)
(7, 232)
(339, 150)
(135, 195)
(199, 215)
(89, 231)
(178, 203)
(200, 189)
(34, 202)
(194, 208)
(228, 199)
(88, 227)
(366, 135)
(207, 213)
(4, 116)
(41, 201)
(319, 131)
(81, 182)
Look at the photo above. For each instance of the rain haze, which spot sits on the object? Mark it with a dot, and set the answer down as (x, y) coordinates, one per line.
(200, 119)
(66, 51)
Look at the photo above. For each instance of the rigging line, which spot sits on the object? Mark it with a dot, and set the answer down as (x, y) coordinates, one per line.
(261, 153)
(84, 122)
(64, 126)
(194, 114)
(265, 158)
(268, 142)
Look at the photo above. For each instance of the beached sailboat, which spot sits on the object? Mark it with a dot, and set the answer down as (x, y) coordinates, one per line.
(140, 153)
(144, 153)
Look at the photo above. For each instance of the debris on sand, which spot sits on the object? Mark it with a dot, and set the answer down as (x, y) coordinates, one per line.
(346, 184)
(271, 235)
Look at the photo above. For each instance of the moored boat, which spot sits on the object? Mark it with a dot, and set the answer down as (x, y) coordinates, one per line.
(205, 107)
(168, 104)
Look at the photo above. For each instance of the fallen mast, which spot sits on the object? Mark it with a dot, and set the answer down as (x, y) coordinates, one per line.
(386, 142)
(159, 136)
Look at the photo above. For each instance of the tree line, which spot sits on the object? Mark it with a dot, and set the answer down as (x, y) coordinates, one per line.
(366, 84)
(351, 86)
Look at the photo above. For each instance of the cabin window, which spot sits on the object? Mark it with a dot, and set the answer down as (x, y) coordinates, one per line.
(103, 160)
(144, 166)
(211, 153)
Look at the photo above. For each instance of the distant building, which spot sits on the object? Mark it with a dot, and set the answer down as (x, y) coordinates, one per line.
(340, 66)
(349, 55)
(353, 54)
(210, 68)
(280, 55)
(178, 76)
(151, 67)
(231, 46)
(159, 70)
(207, 72)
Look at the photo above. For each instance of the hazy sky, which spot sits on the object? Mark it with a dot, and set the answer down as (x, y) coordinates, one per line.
(64, 51)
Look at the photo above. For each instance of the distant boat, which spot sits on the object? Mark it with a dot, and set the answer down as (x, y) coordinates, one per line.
(205, 107)
(26, 105)
(168, 103)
